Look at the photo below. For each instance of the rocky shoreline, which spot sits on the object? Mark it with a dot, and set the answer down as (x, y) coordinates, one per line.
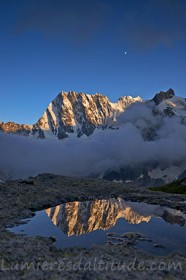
(23, 257)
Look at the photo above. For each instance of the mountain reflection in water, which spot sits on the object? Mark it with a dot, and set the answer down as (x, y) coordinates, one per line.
(76, 218)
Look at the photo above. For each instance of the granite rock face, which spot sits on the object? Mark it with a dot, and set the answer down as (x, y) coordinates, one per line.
(74, 114)
(80, 114)
(11, 127)
(146, 175)
(163, 95)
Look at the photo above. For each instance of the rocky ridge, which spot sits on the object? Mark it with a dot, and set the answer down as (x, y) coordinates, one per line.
(76, 114)
(72, 113)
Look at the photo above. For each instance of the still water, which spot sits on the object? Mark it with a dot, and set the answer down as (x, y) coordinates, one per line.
(84, 224)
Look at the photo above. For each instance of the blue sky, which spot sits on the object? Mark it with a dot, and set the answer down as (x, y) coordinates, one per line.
(47, 46)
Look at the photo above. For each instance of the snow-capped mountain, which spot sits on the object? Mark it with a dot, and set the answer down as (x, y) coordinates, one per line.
(77, 114)
(74, 114)
(143, 142)
(170, 104)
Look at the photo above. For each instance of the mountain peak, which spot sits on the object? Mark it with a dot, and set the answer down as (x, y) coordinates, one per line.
(74, 114)
(163, 95)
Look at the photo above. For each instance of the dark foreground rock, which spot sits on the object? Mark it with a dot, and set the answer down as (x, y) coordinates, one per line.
(24, 257)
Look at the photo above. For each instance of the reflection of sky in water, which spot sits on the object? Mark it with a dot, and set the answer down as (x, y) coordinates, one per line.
(161, 225)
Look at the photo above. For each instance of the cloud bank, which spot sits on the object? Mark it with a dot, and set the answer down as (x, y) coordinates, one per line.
(142, 138)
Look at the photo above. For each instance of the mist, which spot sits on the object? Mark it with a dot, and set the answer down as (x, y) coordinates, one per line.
(142, 137)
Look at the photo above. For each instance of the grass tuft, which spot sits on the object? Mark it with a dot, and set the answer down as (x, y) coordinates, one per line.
(177, 187)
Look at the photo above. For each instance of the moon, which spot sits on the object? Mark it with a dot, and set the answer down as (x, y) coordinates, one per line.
(125, 52)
